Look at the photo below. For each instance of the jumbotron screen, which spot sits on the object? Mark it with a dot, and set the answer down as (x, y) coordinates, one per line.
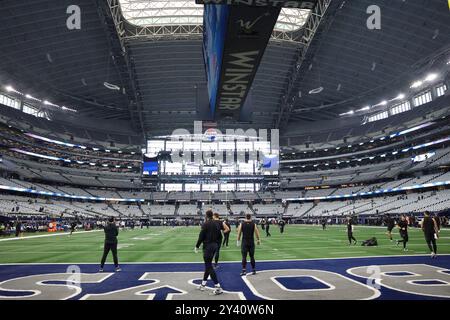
(223, 157)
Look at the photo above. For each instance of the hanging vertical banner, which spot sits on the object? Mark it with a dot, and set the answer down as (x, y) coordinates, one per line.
(236, 34)
(248, 30)
(215, 20)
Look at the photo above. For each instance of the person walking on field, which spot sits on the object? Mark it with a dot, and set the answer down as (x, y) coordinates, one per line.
(111, 233)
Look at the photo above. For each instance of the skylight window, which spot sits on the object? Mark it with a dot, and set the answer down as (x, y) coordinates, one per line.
(153, 13)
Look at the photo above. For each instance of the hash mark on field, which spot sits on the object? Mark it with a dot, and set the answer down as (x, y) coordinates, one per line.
(348, 252)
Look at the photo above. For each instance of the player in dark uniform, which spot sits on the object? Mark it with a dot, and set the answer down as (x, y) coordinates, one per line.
(437, 220)
(73, 225)
(226, 236)
(209, 236)
(403, 228)
(248, 229)
(350, 231)
(324, 224)
(430, 232)
(18, 228)
(267, 229)
(281, 223)
(223, 228)
(390, 223)
(111, 233)
(263, 224)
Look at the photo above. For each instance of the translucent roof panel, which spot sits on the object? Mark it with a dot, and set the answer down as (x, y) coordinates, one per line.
(186, 12)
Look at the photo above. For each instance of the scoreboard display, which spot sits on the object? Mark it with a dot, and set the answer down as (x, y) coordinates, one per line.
(230, 163)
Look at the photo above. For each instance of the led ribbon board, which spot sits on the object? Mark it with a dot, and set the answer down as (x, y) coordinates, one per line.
(236, 34)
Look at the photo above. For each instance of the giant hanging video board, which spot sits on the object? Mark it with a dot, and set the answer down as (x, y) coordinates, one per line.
(235, 36)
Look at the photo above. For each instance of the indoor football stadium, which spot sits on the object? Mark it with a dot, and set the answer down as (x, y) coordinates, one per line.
(224, 150)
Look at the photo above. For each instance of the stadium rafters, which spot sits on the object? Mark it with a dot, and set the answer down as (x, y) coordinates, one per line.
(183, 18)
(310, 29)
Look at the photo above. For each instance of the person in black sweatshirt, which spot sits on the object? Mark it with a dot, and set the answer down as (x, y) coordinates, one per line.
(350, 231)
(209, 236)
(226, 236)
(223, 227)
(403, 228)
(431, 233)
(111, 233)
(18, 228)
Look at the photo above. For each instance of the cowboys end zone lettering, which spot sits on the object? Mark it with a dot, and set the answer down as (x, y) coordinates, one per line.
(384, 278)
(263, 3)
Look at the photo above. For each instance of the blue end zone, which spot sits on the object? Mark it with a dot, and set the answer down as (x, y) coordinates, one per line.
(228, 274)
(301, 283)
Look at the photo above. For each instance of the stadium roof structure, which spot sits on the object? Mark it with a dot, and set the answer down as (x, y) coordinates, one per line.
(141, 61)
(187, 12)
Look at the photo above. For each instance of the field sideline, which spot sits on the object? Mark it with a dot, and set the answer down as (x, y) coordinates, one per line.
(167, 244)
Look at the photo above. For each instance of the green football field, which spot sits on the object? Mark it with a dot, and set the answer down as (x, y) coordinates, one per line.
(167, 244)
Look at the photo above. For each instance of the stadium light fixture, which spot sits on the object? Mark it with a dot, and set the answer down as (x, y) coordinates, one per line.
(351, 112)
(383, 103)
(32, 98)
(431, 77)
(9, 89)
(401, 96)
(366, 108)
(416, 84)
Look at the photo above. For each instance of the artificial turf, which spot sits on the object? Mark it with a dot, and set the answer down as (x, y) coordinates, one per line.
(167, 244)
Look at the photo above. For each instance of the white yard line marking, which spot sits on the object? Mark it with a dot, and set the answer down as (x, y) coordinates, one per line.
(48, 235)
(347, 252)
